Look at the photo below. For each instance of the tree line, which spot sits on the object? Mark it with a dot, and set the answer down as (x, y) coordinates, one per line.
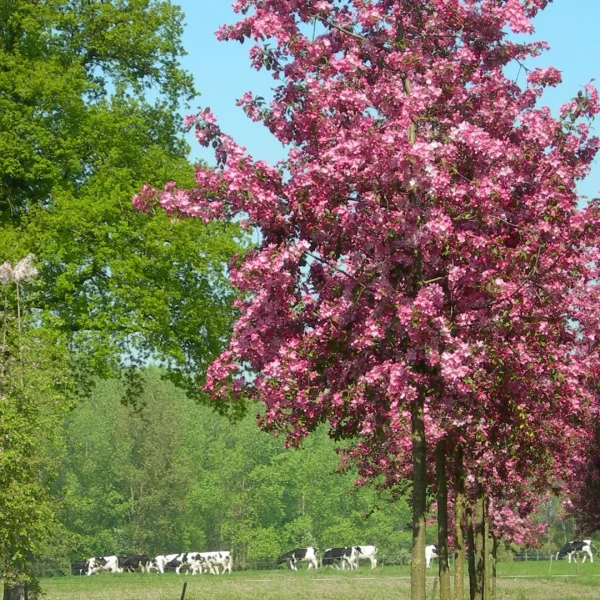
(173, 476)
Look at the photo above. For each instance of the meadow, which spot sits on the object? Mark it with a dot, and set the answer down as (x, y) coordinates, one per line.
(532, 580)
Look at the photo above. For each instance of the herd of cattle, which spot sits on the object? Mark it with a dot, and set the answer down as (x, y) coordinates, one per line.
(193, 563)
(217, 563)
(221, 562)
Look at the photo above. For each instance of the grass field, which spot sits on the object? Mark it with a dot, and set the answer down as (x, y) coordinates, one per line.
(517, 581)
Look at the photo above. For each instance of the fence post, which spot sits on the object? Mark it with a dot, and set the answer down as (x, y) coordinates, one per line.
(183, 590)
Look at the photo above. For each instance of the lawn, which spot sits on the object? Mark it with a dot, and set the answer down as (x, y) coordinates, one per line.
(517, 581)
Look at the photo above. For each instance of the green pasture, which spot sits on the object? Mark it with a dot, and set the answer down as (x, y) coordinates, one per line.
(530, 580)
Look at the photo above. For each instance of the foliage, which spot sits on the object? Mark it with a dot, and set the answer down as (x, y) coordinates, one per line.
(35, 394)
(90, 93)
(174, 477)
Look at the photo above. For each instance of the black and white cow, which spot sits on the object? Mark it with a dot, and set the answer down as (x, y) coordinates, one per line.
(575, 548)
(79, 568)
(218, 562)
(365, 553)
(431, 552)
(180, 561)
(192, 562)
(130, 564)
(293, 557)
(97, 564)
(339, 557)
(161, 561)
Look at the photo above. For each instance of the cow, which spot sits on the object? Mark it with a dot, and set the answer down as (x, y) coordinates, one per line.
(365, 553)
(179, 561)
(216, 560)
(161, 561)
(132, 563)
(431, 552)
(293, 557)
(336, 557)
(202, 562)
(574, 548)
(193, 562)
(96, 564)
(78, 568)
(198, 563)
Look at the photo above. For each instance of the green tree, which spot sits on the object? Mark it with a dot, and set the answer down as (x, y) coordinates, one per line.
(126, 475)
(34, 398)
(89, 93)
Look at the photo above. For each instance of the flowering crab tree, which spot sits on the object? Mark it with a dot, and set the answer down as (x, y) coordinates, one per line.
(583, 503)
(424, 281)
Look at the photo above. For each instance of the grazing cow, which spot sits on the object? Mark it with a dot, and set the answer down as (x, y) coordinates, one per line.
(203, 562)
(79, 568)
(299, 554)
(197, 563)
(365, 553)
(161, 562)
(193, 562)
(178, 562)
(216, 560)
(336, 557)
(132, 563)
(96, 564)
(574, 548)
(431, 552)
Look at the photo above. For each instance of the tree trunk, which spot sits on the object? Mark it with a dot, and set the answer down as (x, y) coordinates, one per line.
(417, 566)
(442, 502)
(13, 592)
(479, 532)
(488, 549)
(459, 532)
(471, 551)
(493, 595)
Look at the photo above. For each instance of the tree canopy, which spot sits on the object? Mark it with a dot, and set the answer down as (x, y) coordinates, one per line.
(88, 114)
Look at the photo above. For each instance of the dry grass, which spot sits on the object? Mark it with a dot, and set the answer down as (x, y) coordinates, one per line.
(518, 581)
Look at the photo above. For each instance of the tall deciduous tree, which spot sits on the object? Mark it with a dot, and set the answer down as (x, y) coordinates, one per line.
(425, 278)
(89, 99)
(35, 394)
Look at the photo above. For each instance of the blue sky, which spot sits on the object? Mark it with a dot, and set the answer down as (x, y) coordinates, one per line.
(222, 70)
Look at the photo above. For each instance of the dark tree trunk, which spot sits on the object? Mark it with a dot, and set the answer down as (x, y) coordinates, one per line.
(442, 502)
(471, 551)
(459, 531)
(479, 531)
(493, 595)
(20, 591)
(417, 566)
